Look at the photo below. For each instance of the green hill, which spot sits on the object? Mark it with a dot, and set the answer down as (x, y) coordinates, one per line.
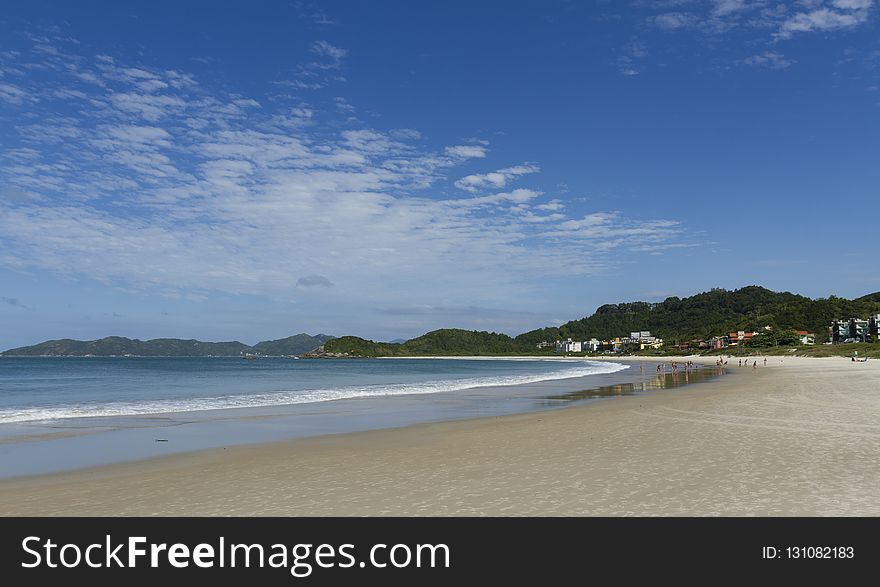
(359, 347)
(447, 342)
(711, 313)
(119, 345)
(168, 347)
(292, 345)
(700, 316)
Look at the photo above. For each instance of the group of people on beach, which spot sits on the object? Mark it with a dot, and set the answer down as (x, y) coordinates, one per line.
(661, 368)
(754, 363)
(720, 362)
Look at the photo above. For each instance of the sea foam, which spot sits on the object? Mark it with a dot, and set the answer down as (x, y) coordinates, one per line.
(284, 397)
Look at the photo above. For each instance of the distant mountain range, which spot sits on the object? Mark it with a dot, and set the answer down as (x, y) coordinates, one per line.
(169, 347)
(712, 313)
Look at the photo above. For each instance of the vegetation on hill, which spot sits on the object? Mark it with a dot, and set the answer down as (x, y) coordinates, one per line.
(119, 345)
(446, 342)
(292, 345)
(709, 314)
(359, 347)
(701, 316)
(676, 320)
(168, 347)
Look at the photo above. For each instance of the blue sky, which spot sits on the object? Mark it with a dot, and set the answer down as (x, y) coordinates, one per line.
(244, 170)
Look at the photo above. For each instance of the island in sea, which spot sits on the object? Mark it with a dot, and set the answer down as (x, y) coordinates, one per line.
(120, 346)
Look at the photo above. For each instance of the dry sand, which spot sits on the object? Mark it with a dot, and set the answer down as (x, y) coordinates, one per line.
(797, 438)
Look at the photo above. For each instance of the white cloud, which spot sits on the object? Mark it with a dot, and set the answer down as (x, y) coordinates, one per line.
(673, 20)
(723, 7)
(334, 54)
(843, 14)
(769, 60)
(69, 93)
(181, 189)
(517, 196)
(149, 107)
(467, 151)
(494, 179)
(343, 106)
(551, 205)
(140, 134)
(634, 51)
(785, 18)
(405, 134)
(852, 4)
(13, 94)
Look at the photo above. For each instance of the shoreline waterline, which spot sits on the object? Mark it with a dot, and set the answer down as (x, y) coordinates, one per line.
(250, 395)
(794, 438)
(38, 448)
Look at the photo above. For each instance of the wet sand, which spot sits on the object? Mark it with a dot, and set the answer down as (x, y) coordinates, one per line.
(795, 438)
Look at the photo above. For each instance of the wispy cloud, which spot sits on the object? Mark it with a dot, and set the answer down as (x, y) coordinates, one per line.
(322, 69)
(333, 55)
(314, 13)
(467, 151)
(769, 60)
(495, 179)
(835, 15)
(778, 20)
(178, 188)
(633, 53)
(14, 94)
(673, 20)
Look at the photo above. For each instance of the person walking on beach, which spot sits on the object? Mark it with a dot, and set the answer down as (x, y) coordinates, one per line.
(740, 362)
(755, 365)
(765, 361)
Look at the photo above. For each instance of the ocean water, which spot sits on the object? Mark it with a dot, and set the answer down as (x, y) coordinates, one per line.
(72, 413)
(58, 388)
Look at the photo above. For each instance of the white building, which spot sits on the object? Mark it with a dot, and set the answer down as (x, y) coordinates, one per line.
(568, 346)
(806, 337)
(640, 335)
(643, 338)
(591, 345)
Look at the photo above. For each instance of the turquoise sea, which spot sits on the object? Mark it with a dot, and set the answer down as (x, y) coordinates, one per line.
(58, 388)
(72, 413)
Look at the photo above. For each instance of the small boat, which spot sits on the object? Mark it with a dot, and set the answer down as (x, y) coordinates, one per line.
(249, 356)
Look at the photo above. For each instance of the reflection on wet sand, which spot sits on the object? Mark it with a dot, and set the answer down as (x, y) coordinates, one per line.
(663, 380)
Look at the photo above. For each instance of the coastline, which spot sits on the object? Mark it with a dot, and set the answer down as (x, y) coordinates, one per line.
(787, 439)
(55, 445)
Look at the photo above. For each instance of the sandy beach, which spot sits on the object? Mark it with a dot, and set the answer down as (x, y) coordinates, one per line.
(798, 437)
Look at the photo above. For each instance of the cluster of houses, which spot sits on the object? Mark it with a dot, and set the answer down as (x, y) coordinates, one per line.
(856, 330)
(847, 330)
(739, 337)
(841, 331)
(641, 340)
